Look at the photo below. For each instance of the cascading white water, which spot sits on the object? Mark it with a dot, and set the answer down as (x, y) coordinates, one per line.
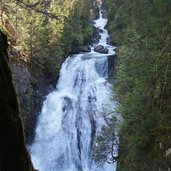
(72, 115)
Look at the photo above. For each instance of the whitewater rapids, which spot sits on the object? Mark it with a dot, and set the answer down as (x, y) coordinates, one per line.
(72, 115)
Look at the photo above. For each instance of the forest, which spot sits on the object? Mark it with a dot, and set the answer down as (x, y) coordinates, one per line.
(141, 31)
(36, 38)
(41, 34)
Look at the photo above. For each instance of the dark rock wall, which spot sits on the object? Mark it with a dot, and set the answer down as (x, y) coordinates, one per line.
(21, 75)
(112, 66)
(13, 153)
(31, 94)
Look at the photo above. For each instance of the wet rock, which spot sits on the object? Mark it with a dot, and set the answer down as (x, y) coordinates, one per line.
(101, 49)
(109, 41)
(85, 48)
(66, 104)
(76, 49)
(104, 14)
(99, 30)
(96, 36)
(30, 93)
(95, 41)
(101, 67)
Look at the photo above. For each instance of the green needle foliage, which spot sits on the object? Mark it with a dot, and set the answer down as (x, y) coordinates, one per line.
(44, 30)
(141, 29)
(41, 34)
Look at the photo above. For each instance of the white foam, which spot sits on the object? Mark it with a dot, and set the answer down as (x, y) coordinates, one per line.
(63, 138)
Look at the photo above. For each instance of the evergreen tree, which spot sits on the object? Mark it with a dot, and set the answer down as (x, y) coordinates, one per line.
(141, 29)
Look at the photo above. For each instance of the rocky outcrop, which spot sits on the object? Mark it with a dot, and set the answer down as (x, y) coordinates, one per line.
(101, 49)
(109, 41)
(96, 36)
(104, 14)
(76, 48)
(99, 30)
(112, 66)
(22, 78)
(85, 48)
(31, 94)
(13, 152)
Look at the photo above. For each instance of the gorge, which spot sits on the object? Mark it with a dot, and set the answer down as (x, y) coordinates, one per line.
(65, 95)
(73, 114)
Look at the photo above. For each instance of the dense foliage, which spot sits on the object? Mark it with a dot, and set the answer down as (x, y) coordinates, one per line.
(41, 34)
(43, 31)
(141, 29)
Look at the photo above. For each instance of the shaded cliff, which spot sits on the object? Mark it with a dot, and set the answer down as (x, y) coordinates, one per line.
(13, 153)
(38, 44)
(30, 94)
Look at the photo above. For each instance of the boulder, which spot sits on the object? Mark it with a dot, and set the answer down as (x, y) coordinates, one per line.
(85, 48)
(95, 40)
(99, 30)
(96, 35)
(101, 49)
(108, 40)
(104, 14)
(75, 48)
(111, 66)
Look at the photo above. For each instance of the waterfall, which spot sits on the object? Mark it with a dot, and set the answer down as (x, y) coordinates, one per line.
(72, 115)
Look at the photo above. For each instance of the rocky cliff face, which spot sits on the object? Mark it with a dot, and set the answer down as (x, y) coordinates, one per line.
(13, 153)
(21, 75)
(31, 95)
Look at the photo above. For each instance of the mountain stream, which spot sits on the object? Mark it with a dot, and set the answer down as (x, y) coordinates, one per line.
(72, 115)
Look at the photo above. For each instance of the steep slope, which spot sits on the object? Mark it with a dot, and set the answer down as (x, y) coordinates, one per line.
(13, 153)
